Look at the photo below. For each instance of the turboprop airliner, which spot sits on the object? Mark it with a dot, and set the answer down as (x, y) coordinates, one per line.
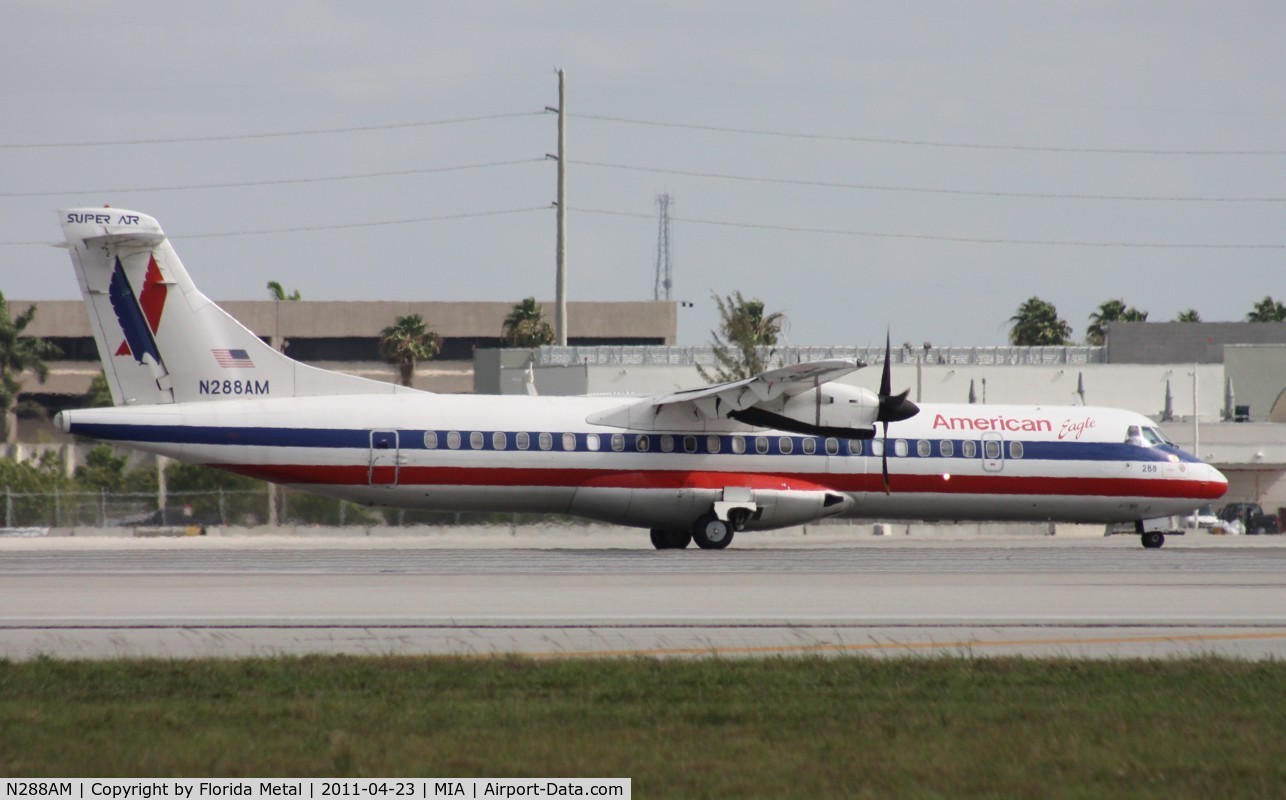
(786, 447)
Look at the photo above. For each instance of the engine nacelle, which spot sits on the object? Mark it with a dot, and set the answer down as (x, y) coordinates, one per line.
(828, 410)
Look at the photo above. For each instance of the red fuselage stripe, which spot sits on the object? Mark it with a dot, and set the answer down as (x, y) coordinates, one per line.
(999, 484)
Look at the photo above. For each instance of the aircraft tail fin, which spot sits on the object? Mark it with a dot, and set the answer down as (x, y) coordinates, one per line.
(159, 338)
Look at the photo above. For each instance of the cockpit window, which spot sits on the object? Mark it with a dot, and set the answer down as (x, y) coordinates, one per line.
(1133, 436)
(1156, 437)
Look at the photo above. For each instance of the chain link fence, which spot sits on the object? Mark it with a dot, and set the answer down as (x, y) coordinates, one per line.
(103, 509)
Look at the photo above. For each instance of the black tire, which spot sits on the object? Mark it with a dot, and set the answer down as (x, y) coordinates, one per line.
(661, 539)
(678, 539)
(712, 533)
(1153, 539)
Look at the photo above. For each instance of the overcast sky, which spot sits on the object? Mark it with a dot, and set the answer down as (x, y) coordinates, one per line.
(925, 166)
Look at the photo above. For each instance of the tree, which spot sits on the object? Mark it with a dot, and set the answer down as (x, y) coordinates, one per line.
(99, 394)
(1037, 324)
(744, 332)
(1267, 310)
(407, 341)
(18, 354)
(278, 293)
(1111, 311)
(526, 327)
(1190, 315)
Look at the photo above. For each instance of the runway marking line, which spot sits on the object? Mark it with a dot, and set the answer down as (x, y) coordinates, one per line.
(830, 648)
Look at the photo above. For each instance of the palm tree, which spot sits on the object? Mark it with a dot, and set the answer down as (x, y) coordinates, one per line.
(278, 293)
(1111, 311)
(744, 331)
(1037, 324)
(1190, 315)
(1267, 310)
(18, 353)
(526, 327)
(407, 341)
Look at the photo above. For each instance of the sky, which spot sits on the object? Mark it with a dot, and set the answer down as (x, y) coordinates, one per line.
(917, 167)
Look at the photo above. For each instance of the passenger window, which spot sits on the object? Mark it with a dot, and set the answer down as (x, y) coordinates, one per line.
(991, 448)
(924, 448)
(1015, 449)
(523, 440)
(475, 440)
(430, 440)
(969, 448)
(761, 445)
(810, 446)
(591, 441)
(786, 445)
(453, 440)
(713, 445)
(738, 445)
(900, 448)
(855, 447)
(832, 447)
(642, 443)
(546, 441)
(689, 444)
(497, 441)
(618, 442)
(569, 442)
(947, 448)
(667, 443)
(877, 447)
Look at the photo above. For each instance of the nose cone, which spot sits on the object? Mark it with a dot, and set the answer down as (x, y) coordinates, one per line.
(1213, 485)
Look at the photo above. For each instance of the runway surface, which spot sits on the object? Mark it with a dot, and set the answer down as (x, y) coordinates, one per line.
(181, 598)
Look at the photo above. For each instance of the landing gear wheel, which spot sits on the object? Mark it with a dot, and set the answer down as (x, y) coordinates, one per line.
(1153, 539)
(712, 533)
(678, 539)
(670, 540)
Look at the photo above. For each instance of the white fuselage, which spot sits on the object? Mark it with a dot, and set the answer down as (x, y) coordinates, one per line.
(539, 454)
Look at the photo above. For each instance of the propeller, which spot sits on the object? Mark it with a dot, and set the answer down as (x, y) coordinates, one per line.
(893, 407)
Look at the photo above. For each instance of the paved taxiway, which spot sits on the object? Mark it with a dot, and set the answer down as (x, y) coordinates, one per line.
(1038, 596)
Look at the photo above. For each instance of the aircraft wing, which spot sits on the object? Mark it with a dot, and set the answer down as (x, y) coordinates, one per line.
(713, 402)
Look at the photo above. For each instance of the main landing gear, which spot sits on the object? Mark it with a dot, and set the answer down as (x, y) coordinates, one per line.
(709, 532)
(1153, 539)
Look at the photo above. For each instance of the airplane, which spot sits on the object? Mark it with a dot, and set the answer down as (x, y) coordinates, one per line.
(786, 447)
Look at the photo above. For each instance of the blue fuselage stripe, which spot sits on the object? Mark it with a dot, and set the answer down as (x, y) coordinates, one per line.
(632, 443)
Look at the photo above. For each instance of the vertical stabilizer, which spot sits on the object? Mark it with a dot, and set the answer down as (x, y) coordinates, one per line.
(160, 339)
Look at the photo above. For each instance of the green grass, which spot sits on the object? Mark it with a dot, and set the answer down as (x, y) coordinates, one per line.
(810, 727)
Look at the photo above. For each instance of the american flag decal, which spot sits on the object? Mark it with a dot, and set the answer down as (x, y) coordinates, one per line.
(233, 359)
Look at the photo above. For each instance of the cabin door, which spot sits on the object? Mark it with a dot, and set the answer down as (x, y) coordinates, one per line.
(383, 458)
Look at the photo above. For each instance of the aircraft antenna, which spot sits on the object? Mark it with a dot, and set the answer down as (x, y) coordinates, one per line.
(664, 257)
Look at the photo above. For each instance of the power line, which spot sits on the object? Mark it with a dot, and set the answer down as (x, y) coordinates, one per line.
(930, 143)
(279, 182)
(943, 238)
(271, 134)
(928, 190)
(314, 228)
(345, 225)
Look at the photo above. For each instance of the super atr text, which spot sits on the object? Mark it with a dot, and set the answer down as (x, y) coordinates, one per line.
(197, 789)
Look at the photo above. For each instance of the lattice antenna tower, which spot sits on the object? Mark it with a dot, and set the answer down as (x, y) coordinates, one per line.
(664, 256)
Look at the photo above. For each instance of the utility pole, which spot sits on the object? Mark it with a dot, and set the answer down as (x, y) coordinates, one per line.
(560, 291)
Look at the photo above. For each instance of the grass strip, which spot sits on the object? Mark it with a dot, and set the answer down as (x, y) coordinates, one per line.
(776, 727)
